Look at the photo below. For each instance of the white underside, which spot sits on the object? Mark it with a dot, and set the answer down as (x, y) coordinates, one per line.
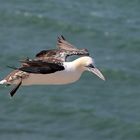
(56, 78)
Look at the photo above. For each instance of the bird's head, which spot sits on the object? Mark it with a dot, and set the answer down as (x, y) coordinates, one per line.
(86, 63)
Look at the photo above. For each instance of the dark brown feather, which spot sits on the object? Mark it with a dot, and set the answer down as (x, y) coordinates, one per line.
(13, 91)
(41, 67)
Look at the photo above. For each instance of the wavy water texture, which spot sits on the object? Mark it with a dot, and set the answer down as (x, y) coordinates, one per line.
(90, 108)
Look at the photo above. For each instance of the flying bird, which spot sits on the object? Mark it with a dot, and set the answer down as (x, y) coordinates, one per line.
(50, 67)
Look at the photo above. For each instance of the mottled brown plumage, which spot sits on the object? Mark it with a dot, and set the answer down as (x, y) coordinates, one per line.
(64, 50)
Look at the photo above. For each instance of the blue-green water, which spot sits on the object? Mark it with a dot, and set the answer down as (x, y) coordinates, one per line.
(90, 109)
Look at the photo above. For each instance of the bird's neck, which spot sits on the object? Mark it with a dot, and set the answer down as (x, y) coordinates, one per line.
(75, 65)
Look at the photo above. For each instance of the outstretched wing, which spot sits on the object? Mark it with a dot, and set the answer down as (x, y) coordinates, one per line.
(64, 50)
(62, 44)
(40, 67)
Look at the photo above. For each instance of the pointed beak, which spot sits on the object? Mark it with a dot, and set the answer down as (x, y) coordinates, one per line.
(96, 72)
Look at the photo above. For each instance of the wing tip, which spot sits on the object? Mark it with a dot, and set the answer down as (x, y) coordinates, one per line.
(61, 38)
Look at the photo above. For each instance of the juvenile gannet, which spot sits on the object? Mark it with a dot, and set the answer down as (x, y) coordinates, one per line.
(50, 70)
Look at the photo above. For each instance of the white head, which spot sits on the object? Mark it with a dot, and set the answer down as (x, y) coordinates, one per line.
(86, 63)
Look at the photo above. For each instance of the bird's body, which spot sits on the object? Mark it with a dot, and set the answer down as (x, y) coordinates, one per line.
(69, 75)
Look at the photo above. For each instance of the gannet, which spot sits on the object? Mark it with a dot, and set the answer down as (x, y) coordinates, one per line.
(50, 67)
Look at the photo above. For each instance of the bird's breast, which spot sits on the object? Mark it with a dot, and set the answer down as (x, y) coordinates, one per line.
(57, 78)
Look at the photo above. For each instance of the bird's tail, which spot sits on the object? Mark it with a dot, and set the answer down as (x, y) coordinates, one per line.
(3, 82)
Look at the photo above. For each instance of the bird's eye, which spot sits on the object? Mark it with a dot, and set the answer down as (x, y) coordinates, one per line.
(91, 66)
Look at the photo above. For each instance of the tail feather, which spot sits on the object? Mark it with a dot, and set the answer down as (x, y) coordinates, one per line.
(3, 82)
